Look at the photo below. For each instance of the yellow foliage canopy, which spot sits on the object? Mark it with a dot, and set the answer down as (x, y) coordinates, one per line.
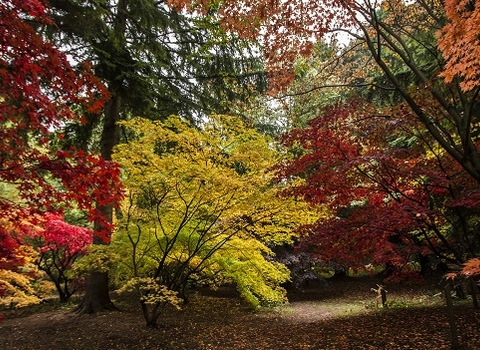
(201, 204)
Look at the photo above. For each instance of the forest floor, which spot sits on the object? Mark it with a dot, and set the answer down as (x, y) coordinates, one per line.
(338, 315)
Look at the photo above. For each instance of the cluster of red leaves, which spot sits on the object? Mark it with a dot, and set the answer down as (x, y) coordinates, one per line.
(388, 199)
(56, 235)
(8, 246)
(87, 180)
(58, 245)
(38, 87)
(38, 83)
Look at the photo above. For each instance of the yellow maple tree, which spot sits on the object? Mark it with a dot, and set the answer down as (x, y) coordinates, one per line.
(201, 207)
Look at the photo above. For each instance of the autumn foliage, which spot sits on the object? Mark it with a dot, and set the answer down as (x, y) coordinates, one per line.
(395, 196)
(25, 284)
(200, 206)
(45, 249)
(460, 42)
(38, 88)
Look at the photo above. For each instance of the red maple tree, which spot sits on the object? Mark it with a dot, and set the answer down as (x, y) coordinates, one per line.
(38, 88)
(393, 195)
(58, 244)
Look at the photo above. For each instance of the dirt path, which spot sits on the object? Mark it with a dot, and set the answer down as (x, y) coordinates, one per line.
(327, 318)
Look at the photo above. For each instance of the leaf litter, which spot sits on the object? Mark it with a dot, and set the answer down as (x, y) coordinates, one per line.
(337, 316)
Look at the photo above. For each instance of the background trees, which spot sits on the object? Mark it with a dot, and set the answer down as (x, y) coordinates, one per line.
(393, 49)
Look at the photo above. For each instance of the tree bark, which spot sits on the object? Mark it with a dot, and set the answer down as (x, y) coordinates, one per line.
(97, 297)
(451, 317)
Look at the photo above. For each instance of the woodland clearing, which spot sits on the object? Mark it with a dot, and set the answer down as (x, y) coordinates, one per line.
(338, 315)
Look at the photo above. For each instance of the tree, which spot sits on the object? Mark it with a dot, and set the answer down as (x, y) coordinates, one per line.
(39, 92)
(155, 62)
(459, 44)
(400, 39)
(368, 164)
(58, 245)
(200, 208)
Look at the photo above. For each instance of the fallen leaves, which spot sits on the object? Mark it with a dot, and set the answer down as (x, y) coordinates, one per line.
(221, 322)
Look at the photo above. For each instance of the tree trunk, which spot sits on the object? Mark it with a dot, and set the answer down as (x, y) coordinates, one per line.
(451, 317)
(474, 290)
(152, 314)
(97, 296)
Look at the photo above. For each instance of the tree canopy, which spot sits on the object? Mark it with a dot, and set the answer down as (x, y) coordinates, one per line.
(366, 166)
(37, 92)
(290, 29)
(201, 208)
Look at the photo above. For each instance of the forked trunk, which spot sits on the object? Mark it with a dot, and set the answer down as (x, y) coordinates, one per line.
(151, 314)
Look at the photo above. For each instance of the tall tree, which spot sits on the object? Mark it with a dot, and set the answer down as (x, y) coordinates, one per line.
(39, 92)
(155, 62)
(38, 88)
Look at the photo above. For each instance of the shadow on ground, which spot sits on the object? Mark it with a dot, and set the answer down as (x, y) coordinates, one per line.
(333, 316)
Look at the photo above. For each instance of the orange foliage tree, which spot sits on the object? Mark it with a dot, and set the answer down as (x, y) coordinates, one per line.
(460, 42)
